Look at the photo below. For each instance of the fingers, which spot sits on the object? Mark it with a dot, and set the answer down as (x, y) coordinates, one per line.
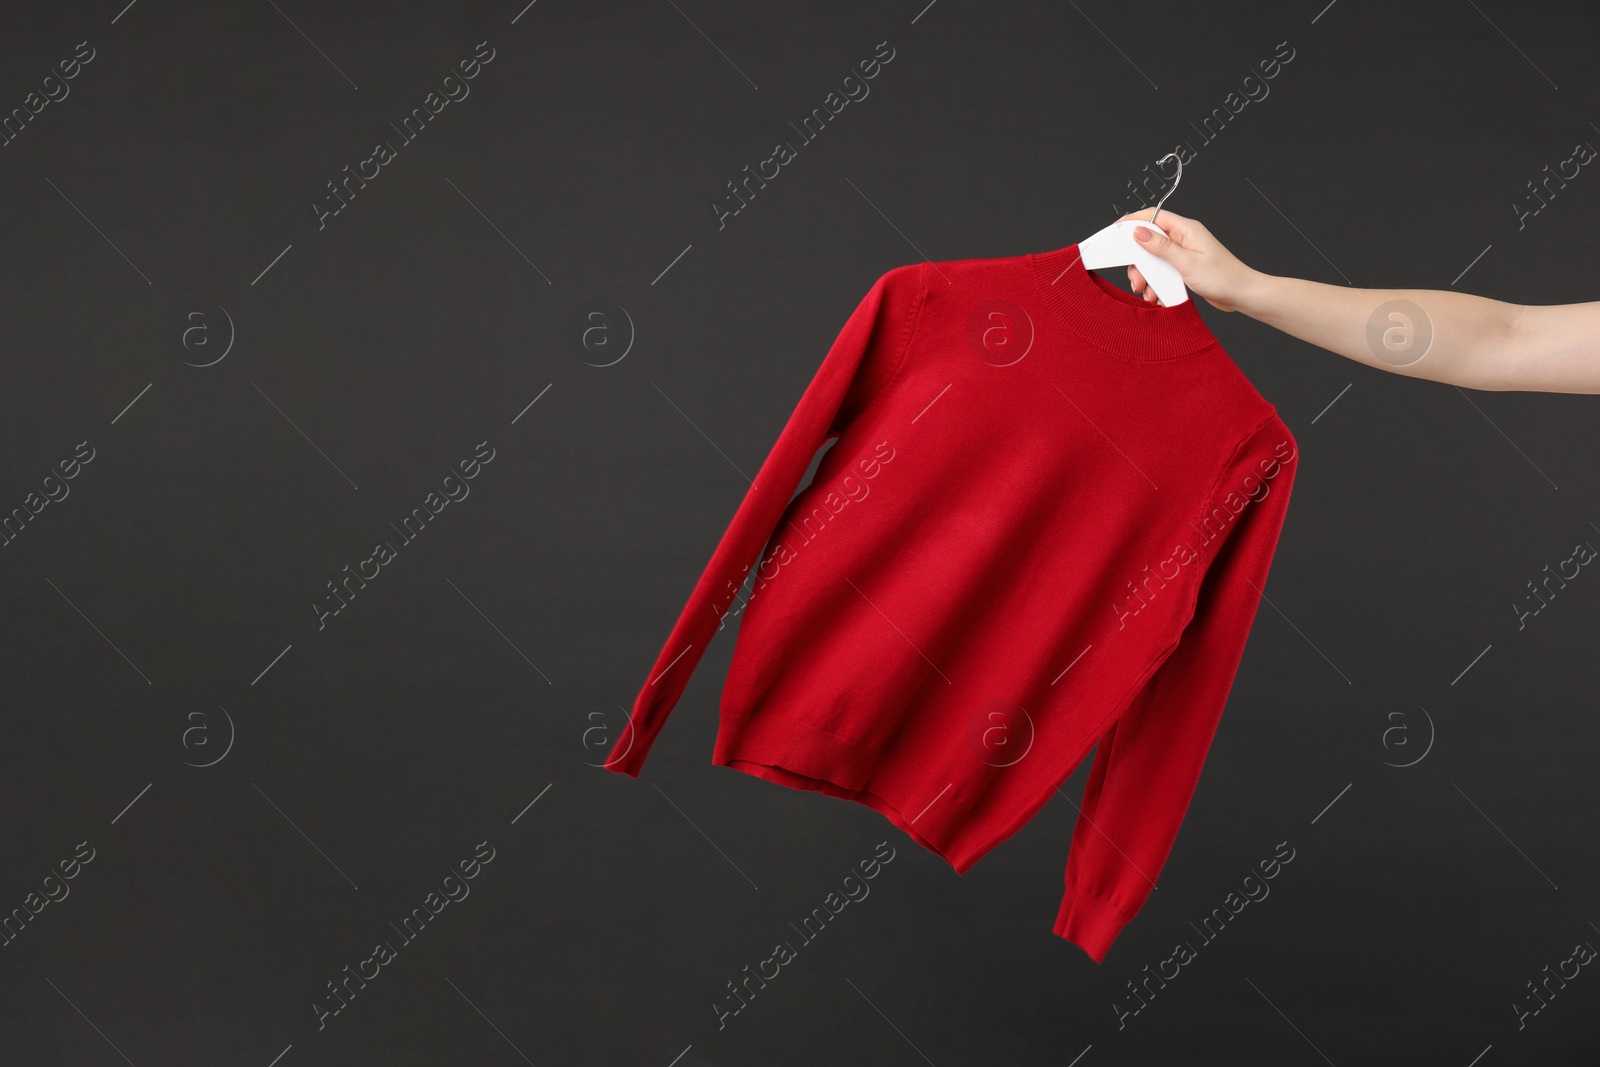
(1141, 287)
(1154, 240)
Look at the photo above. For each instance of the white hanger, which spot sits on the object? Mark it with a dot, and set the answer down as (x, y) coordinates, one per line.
(1114, 246)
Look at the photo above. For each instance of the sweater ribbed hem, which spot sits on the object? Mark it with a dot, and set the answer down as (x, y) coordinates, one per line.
(792, 753)
(1112, 320)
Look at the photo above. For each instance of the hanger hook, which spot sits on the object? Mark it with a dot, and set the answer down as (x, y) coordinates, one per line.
(1176, 179)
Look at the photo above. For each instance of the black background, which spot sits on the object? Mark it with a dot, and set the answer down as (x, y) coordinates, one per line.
(161, 612)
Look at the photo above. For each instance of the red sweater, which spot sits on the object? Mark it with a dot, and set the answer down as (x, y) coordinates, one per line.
(1045, 522)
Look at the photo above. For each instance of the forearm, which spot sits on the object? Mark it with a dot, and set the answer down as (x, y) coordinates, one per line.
(1458, 338)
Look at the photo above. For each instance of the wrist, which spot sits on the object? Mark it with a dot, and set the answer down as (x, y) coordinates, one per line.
(1254, 293)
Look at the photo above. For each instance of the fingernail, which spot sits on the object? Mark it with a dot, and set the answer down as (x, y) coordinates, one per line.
(1141, 234)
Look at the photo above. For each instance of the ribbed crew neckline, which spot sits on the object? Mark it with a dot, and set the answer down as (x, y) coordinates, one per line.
(1112, 320)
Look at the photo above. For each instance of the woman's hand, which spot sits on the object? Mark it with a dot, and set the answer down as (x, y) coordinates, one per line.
(1206, 266)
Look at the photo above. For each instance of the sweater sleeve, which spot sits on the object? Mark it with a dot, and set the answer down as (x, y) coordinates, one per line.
(1148, 763)
(859, 365)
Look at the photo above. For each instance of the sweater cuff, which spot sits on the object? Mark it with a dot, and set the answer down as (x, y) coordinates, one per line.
(628, 753)
(629, 767)
(1089, 922)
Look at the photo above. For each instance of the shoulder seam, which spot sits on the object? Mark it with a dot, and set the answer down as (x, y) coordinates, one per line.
(913, 318)
(1228, 465)
(1238, 448)
(1197, 581)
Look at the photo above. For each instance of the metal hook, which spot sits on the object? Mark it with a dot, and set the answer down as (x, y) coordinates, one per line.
(1178, 178)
